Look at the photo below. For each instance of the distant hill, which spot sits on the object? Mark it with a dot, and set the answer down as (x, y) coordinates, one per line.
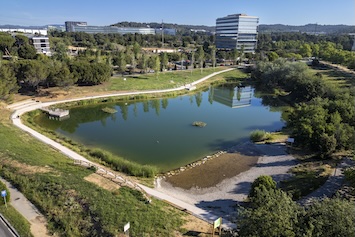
(21, 27)
(263, 28)
(309, 28)
(181, 28)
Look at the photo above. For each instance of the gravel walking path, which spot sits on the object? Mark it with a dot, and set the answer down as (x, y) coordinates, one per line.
(331, 186)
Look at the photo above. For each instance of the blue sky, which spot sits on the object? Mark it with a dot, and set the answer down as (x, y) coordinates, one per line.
(193, 12)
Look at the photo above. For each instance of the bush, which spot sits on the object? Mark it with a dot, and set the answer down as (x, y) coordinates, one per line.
(262, 181)
(259, 135)
(3, 187)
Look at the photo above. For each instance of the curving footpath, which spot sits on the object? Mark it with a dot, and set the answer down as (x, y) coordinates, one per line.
(331, 186)
(24, 107)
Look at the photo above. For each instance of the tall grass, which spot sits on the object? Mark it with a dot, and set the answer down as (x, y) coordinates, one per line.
(122, 165)
(259, 135)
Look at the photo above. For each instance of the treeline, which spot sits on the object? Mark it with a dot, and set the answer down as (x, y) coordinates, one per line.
(322, 118)
(29, 74)
(263, 28)
(335, 49)
(272, 212)
(112, 41)
(310, 28)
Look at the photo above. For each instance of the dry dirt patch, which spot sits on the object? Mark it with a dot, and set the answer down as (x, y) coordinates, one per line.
(38, 227)
(25, 168)
(102, 182)
(213, 171)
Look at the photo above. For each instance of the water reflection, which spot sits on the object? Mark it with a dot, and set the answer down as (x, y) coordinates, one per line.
(233, 96)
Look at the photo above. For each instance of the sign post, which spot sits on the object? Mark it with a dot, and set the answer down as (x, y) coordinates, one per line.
(126, 228)
(217, 223)
(3, 194)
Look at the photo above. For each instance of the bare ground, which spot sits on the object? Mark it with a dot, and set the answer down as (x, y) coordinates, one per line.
(221, 198)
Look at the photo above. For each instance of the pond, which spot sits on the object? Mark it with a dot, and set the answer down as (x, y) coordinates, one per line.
(159, 132)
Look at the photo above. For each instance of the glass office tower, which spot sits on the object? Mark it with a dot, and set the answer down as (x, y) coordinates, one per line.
(237, 31)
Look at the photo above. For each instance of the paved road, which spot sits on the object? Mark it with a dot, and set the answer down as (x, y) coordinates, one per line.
(21, 108)
(5, 231)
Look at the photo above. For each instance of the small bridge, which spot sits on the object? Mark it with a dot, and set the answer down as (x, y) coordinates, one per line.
(58, 113)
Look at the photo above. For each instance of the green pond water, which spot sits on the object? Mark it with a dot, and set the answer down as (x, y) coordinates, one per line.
(159, 132)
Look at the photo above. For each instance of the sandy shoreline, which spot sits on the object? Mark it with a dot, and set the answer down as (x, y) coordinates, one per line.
(221, 198)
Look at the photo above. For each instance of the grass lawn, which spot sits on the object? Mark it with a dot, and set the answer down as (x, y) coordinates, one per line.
(336, 78)
(309, 176)
(164, 80)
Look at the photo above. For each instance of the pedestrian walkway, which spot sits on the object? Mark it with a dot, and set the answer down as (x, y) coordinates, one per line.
(331, 186)
(28, 210)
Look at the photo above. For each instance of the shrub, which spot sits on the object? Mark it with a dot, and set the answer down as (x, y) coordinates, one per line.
(3, 187)
(262, 181)
(259, 135)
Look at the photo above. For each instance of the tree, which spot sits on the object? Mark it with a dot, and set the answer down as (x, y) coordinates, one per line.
(8, 82)
(156, 65)
(143, 63)
(32, 72)
(21, 40)
(330, 217)
(60, 52)
(262, 181)
(200, 56)
(122, 62)
(272, 56)
(27, 51)
(136, 49)
(6, 42)
(213, 56)
(164, 61)
(272, 213)
(192, 60)
(86, 73)
(60, 75)
(305, 50)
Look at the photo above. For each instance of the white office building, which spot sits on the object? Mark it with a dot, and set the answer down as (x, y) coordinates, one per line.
(41, 45)
(237, 31)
